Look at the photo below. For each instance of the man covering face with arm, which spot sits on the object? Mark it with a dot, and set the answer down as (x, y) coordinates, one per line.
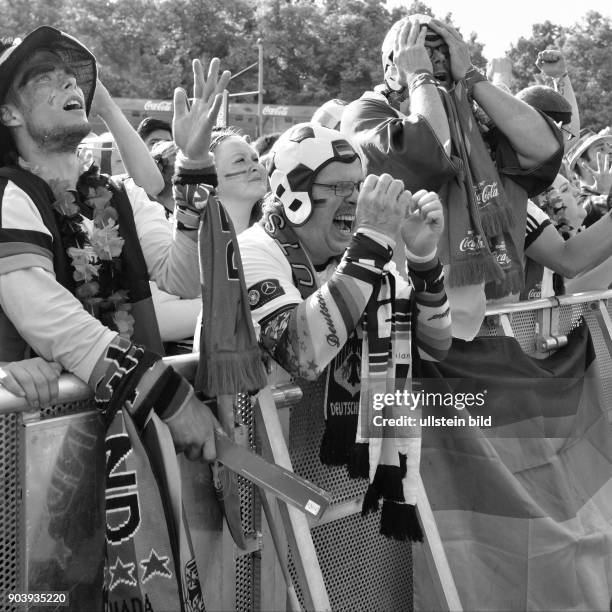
(483, 186)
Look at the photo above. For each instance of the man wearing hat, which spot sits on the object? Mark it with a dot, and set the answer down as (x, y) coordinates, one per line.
(316, 267)
(153, 130)
(76, 251)
(483, 182)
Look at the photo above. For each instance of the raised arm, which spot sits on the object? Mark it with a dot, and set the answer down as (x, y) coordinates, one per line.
(552, 64)
(411, 61)
(421, 230)
(528, 133)
(134, 153)
(172, 258)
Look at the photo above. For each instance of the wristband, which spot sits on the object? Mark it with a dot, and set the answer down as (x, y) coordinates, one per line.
(364, 250)
(421, 77)
(192, 172)
(381, 238)
(473, 76)
(420, 258)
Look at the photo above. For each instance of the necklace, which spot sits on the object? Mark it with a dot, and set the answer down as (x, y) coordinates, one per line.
(93, 246)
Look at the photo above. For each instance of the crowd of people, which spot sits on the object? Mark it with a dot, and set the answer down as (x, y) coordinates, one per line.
(374, 234)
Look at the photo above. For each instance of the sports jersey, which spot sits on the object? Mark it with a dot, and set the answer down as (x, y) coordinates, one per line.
(538, 279)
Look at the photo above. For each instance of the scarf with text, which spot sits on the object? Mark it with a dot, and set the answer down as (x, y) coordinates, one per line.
(230, 361)
(388, 456)
(477, 212)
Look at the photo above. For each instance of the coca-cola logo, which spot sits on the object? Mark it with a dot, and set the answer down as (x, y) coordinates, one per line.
(535, 293)
(485, 193)
(502, 258)
(471, 243)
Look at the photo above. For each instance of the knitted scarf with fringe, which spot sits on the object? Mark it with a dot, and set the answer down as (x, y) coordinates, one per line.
(388, 456)
(477, 212)
(230, 361)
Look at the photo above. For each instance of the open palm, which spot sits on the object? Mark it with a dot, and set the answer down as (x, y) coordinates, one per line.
(192, 126)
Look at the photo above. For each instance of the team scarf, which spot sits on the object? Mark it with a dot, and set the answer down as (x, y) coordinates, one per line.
(230, 361)
(149, 554)
(388, 456)
(478, 216)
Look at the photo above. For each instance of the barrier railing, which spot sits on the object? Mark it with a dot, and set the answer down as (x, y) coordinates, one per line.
(252, 579)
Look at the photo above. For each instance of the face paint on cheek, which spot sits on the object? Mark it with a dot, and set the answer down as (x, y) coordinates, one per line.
(319, 202)
(234, 174)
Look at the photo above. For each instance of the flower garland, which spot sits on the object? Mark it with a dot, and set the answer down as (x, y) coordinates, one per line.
(94, 247)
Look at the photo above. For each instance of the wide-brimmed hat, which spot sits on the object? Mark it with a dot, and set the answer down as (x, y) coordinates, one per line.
(80, 59)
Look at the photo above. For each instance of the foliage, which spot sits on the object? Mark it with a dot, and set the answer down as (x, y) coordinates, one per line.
(314, 49)
(586, 48)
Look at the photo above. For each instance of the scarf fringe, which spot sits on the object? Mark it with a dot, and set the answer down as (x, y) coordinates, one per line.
(513, 283)
(336, 445)
(230, 373)
(387, 483)
(399, 521)
(498, 220)
(473, 271)
(359, 461)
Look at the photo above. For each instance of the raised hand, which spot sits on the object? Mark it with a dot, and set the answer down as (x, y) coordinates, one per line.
(409, 52)
(381, 204)
(34, 379)
(458, 50)
(423, 222)
(601, 175)
(192, 127)
(552, 63)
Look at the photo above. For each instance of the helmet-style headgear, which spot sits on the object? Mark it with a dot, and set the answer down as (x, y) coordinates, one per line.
(298, 155)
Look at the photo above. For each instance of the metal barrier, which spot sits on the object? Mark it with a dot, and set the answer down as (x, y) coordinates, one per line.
(361, 569)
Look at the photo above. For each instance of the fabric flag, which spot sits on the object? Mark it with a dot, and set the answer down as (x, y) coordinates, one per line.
(150, 561)
(524, 507)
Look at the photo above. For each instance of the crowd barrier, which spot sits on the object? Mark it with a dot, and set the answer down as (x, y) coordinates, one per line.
(358, 568)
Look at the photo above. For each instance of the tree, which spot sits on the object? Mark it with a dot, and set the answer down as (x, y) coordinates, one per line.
(587, 51)
(586, 47)
(523, 55)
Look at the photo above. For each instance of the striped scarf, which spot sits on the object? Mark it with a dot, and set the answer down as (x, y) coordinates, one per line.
(387, 455)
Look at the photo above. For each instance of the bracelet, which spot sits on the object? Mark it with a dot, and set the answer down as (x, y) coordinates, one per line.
(473, 76)
(420, 78)
(420, 258)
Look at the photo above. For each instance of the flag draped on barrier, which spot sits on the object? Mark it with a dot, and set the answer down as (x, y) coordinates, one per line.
(150, 561)
(524, 508)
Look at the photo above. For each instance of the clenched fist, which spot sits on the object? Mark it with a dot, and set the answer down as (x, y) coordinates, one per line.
(423, 223)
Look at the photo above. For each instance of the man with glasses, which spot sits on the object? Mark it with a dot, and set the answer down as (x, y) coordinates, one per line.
(321, 257)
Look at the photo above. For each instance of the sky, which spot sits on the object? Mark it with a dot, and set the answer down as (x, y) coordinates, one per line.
(500, 23)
